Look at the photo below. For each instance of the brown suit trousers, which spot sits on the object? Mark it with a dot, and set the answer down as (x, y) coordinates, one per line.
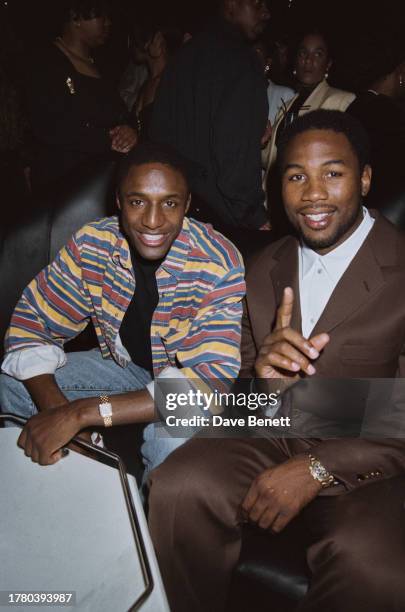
(358, 552)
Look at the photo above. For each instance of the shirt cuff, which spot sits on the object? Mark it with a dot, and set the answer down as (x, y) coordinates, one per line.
(34, 361)
(168, 372)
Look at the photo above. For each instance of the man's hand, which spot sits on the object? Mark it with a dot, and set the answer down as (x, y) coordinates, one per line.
(285, 352)
(123, 138)
(278, 494)
(46, 433)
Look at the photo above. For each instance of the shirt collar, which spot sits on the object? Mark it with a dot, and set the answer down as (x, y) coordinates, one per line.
(333, 261)
(175, 259)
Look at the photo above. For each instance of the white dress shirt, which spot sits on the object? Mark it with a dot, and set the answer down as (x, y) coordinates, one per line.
(319, 274)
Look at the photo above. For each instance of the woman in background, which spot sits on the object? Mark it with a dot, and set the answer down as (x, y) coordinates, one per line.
(158, 43)
(75, 113)
(312, 63)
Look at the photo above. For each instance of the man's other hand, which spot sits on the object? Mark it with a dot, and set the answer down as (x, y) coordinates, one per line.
(285, 353)
(278, 494)
(46, 433)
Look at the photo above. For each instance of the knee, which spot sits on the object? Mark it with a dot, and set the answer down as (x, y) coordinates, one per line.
(365, 558)
(188, 481)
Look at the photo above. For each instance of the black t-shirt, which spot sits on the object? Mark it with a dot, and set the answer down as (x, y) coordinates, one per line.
(135, 327)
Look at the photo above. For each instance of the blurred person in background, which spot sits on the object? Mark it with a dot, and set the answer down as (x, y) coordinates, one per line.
(13, 123)
(380, 77)
(136, 71)
(278, 95)
(212, 107)
(312, 62)
(75, 113)
(157, 43)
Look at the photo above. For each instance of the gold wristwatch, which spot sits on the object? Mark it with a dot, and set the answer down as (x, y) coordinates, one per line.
(320, 473)
(105, 410)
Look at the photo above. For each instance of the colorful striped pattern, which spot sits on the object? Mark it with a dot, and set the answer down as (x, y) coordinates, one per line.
(196, 325)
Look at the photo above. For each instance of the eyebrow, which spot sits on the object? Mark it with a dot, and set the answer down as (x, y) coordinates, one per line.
(312, 50)
(139, 194)
(326, 163)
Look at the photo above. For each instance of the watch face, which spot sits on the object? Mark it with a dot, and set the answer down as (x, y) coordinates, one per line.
(319, 472)
(105, 409)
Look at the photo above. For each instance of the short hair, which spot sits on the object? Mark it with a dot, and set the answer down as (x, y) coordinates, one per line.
(65, 11)
(151, 153)
(335, 121)
(87, 9)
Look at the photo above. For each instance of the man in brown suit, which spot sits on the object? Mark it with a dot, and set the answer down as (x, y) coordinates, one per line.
(331, 304)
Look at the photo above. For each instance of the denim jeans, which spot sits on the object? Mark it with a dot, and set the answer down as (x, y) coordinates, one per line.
(87, 374)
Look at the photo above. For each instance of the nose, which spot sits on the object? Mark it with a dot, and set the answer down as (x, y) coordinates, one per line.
(315, 191)
(153, 217)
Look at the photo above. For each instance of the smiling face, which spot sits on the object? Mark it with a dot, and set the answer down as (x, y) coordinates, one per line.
(153, 201)
(312, 61)
(323, 188)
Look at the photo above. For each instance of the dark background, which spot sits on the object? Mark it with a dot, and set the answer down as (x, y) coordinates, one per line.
(351, 25)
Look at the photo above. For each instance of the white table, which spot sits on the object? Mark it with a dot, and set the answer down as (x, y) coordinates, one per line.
(66, 527)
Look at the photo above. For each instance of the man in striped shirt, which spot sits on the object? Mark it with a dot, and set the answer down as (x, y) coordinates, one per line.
(164, 294)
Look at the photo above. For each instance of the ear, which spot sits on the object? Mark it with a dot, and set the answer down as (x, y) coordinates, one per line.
(187, 204)
(366, 180)
(329, 66)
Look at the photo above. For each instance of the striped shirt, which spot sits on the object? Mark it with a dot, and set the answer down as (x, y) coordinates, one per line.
(195, 327)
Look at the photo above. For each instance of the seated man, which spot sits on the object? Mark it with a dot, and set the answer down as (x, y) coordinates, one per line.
(164, 294)
(331, 304)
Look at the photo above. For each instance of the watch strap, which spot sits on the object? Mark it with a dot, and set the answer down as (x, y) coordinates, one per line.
(105, 410)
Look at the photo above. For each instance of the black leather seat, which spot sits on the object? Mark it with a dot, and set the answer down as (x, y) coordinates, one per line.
(272, 572)
(36, 228)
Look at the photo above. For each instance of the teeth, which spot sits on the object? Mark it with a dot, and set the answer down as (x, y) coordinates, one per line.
(153, 237)
(318, 217)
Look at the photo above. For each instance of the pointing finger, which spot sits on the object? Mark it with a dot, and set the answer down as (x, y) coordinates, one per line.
(284, 311)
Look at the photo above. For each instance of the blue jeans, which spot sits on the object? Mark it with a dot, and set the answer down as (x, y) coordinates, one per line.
(87, 374)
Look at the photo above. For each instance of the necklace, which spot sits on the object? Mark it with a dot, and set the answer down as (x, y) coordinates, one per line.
(88, 60)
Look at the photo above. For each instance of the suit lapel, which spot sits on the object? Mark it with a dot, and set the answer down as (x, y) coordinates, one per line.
(362, 278)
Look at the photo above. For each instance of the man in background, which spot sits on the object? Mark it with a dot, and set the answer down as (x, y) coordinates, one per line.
(212, 107)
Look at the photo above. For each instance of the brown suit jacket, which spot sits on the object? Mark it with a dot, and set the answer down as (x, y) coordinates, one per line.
(365, 318)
